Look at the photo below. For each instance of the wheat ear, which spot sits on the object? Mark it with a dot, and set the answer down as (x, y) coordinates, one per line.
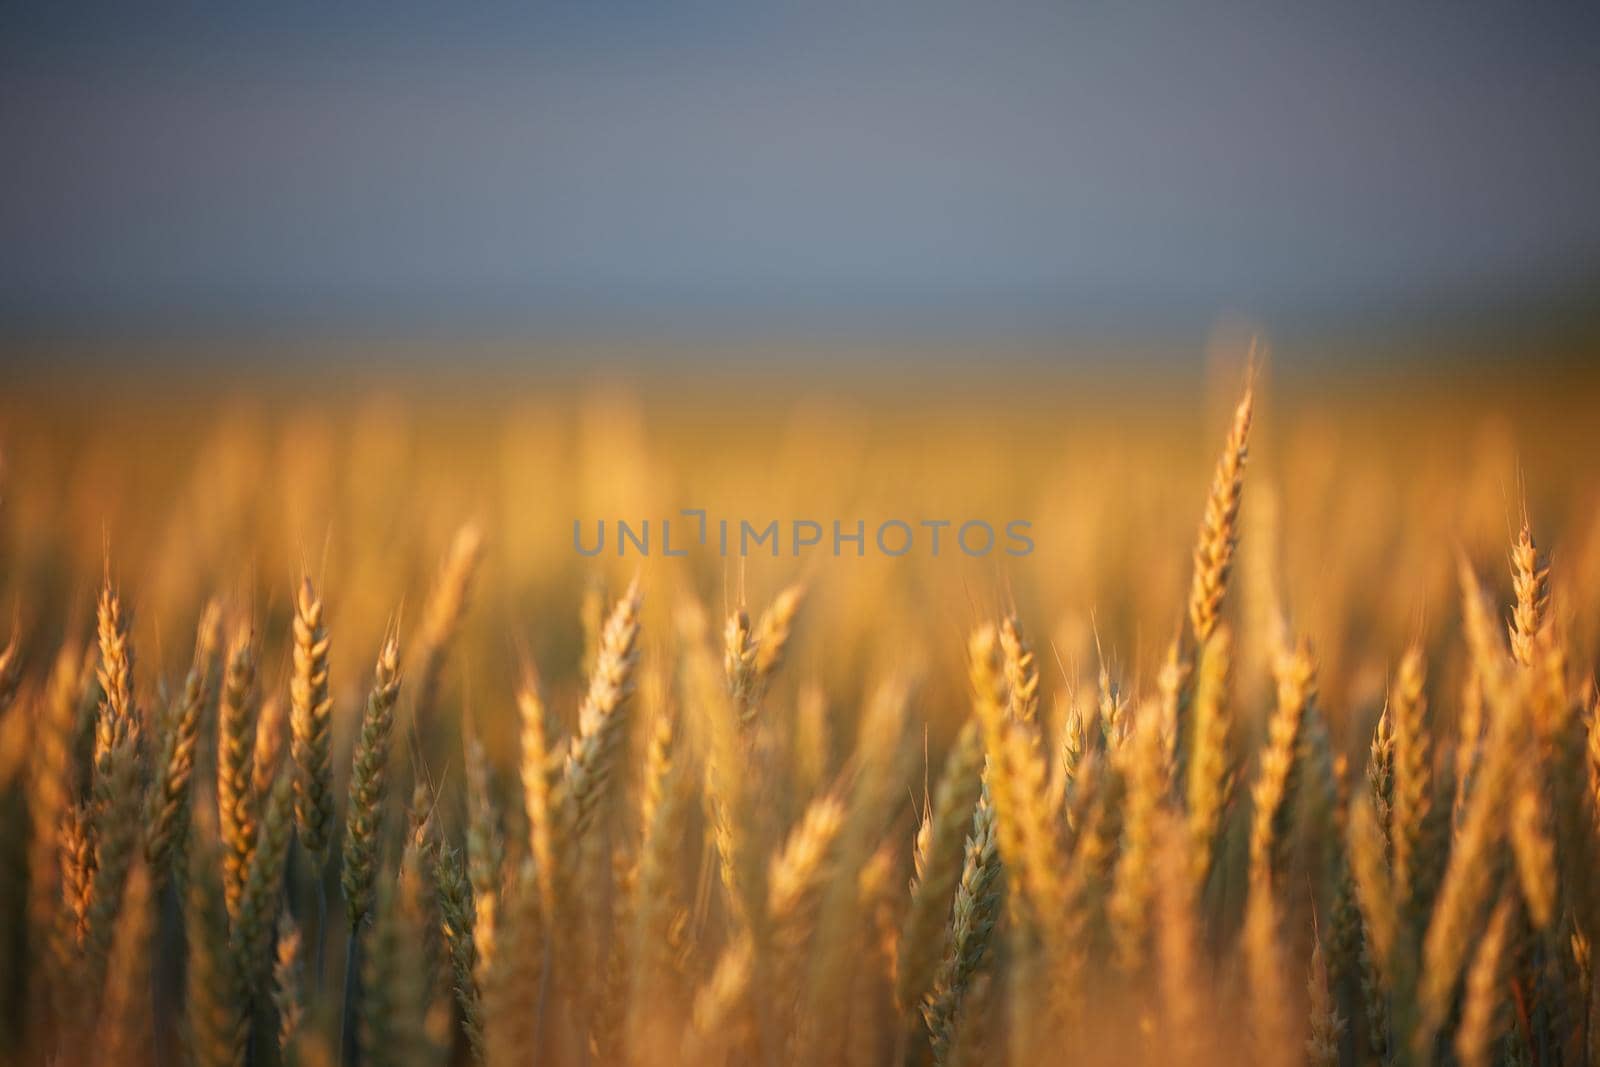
(1180, 972)
(458, 920)
(1411, 817)
(393, 986)
(255, 922)
(1374, 889)
(739, 663)
(773, 632)
(1483, 1002)
(795, 879)
(705, 688)
(1213, 552)
(1474, 867)
(217, 1020)
(485, 845)
(601, 724)
(1271, 1017)
(1133, 886)
(1276, 778)
(989, 708)
(116, 793)
(1534, 850)
(447, 605)
(663, 802)
(236, 740)
(123, 1031)
(972, 922)
(1022, 673)
(1530, 581)
(1210, 762)
(368, 784)
(1322, 1047)
(272, 741)
(288, 987)
(536, 742)
(937, 861)
(311, 726)
(167, 811)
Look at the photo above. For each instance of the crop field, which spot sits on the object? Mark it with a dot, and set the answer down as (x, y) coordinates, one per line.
(1013, 717)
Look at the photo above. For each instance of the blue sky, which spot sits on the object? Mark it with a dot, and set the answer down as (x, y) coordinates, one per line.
(753, 166)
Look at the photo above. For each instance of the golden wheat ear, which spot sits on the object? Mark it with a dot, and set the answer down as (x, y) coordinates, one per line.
(601, 725)
(1530, 582)
(1219, 534)
(1278, 775)
(1210, 761)
(937, 859)
(441, 620)
(1484, 1004)
(458, 919)
(167, 812)
(237, 823)
(116, 796)
(311, 726)
(369, 780)
(972, 921)
(288, 988)
(537, 739)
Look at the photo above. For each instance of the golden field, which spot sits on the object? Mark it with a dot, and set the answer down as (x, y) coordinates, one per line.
(321, 743)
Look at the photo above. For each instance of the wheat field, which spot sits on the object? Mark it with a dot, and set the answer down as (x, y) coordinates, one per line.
(321, 744)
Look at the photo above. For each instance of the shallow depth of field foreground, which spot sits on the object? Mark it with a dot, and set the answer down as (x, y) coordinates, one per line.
(320, 743)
